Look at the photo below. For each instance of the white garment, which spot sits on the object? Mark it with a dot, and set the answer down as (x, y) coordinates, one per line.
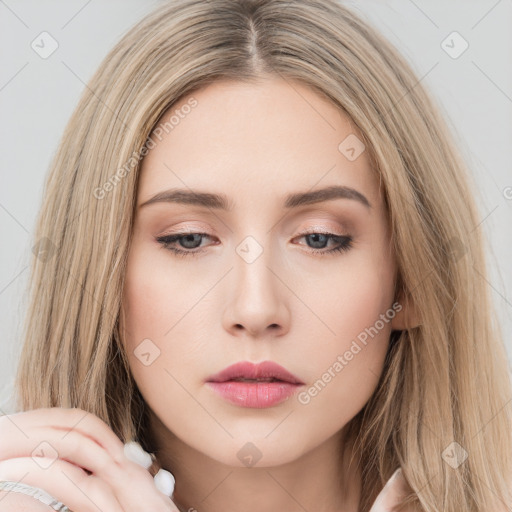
(394, 490)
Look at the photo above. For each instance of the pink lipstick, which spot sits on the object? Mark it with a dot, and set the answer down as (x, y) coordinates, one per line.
(255, 385)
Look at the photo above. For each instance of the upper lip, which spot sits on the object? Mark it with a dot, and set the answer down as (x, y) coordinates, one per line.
(248, 370)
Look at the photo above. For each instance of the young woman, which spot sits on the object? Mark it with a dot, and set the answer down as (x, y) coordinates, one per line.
(260, 260)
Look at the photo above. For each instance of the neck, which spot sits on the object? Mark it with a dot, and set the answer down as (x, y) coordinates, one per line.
(321, 479)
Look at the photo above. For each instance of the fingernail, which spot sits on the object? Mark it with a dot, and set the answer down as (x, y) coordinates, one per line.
(164, 481)
(135, 453)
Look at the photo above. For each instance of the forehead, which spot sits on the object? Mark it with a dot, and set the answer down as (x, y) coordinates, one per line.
(267, 138)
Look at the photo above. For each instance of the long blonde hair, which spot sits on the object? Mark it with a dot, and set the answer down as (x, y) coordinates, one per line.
(444, 381)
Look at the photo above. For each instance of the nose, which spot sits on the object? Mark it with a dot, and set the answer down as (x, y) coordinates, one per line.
(256, 298)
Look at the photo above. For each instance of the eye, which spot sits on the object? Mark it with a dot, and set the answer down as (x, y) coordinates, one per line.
(320, 239)
(191, 241)
(187, 241)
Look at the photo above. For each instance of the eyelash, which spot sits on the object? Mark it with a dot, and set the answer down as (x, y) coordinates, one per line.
(345, 243)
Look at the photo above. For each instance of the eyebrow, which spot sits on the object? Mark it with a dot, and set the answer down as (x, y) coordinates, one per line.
(221, 202)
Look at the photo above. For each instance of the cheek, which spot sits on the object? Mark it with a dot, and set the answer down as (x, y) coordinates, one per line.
(154, 295)
(350, 298)
(143, 302)
(346, 363)
(160, 309)
(148, 303)
(359, 328)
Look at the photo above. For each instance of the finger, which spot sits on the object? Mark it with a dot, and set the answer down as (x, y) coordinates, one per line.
(65, 419)
(130, 483)
(39, 430)
(164, 480)
(135, 453)
(129, 480)
(71, 446)
(63, 481)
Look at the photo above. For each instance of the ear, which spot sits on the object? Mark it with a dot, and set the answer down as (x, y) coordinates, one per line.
(407, 315)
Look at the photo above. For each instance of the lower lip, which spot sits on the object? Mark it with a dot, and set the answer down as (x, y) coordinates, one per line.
(257, 395)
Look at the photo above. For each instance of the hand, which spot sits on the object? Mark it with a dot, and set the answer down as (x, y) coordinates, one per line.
(75, 457)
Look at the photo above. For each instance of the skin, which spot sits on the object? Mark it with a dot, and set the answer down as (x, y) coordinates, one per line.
(76, 458)
(256, 143)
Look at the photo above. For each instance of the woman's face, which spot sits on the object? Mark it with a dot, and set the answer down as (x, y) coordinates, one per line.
(258, 284)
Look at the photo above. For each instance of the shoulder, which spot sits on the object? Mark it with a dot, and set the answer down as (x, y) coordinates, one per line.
(16, 502)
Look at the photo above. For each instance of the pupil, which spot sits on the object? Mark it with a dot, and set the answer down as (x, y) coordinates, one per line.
(190, 239)
(316, 236)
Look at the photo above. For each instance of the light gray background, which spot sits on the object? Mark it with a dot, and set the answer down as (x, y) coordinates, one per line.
(38, 95)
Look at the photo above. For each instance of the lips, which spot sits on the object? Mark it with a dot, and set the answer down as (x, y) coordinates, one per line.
(257, 386)
(245, 371)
